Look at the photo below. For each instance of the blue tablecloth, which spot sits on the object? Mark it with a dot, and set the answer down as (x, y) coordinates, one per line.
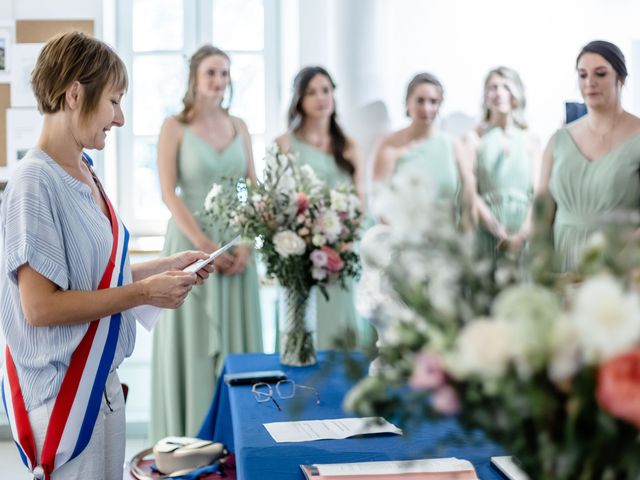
(236, 419)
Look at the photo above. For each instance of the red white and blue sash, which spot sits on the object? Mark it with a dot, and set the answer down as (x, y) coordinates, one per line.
(78, 403)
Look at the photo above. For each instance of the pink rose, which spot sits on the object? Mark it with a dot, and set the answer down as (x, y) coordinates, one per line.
(445, 400)
(334, 262)
(619, 386)
(428, 372)
(303, 202)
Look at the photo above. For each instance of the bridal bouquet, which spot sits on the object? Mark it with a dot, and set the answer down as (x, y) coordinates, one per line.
(305, 233)
(547, 368)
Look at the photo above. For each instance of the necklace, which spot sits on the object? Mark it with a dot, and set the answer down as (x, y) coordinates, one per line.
(605, 138)
(321, 142)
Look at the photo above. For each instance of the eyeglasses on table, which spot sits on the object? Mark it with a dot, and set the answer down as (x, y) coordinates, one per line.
(263, 392)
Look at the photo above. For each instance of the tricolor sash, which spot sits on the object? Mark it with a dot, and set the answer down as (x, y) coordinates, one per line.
(78, 402)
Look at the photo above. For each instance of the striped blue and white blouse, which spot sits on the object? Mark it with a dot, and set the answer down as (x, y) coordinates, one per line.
(51, 221)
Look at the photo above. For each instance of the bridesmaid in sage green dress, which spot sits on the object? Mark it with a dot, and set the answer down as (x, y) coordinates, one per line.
(505, 159)
(591, 167)
(318, 140)
(421, 145)
(200, 146)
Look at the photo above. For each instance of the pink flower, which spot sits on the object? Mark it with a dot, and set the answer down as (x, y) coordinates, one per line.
(346, 247)
(303, 202)
(304, 231)
(428, 372)
(334, 262)
(619, 386)
(445, 400)
(318, 258)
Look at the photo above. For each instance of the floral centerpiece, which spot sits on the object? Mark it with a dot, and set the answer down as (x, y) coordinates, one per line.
(305, 233)
(546, 367)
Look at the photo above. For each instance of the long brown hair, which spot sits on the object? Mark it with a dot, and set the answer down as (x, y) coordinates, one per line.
(189, 98)
(295, 115)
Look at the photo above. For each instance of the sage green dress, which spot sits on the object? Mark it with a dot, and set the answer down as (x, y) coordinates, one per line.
(503, 172)
(220, 316)
(436, 157)
(586, 191)
(337, 314)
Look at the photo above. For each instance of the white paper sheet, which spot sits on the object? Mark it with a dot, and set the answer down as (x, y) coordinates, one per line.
(432, 465)
(147, 315)
(334, 429)
(507, 466)
(194, 267)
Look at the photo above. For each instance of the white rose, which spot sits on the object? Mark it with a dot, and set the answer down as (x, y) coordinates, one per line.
(288, 243)
(483, 348)
(328, 224)
(318, 240)
(606, 318)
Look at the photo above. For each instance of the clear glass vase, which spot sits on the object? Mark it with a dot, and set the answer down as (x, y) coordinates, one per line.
(297, 321)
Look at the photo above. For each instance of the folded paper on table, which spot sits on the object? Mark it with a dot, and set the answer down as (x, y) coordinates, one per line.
(194, 267)
(426, 469)
(333, 429)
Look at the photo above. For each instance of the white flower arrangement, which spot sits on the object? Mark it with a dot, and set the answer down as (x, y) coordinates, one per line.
(544, 366)
(306, 231)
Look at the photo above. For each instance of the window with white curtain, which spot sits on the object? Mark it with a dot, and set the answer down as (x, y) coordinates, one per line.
(156, 39)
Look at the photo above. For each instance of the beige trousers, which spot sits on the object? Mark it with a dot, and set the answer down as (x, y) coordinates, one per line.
(103, 458)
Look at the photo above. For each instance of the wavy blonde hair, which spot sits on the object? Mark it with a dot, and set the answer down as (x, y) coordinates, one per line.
(516, 89)
(189, 99)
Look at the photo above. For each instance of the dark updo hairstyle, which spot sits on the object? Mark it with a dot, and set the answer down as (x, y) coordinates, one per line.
(610, 52)
(295, 115)
(419, 79)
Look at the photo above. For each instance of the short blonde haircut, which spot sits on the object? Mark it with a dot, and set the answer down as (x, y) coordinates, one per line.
(75, 56)
(516, 88)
